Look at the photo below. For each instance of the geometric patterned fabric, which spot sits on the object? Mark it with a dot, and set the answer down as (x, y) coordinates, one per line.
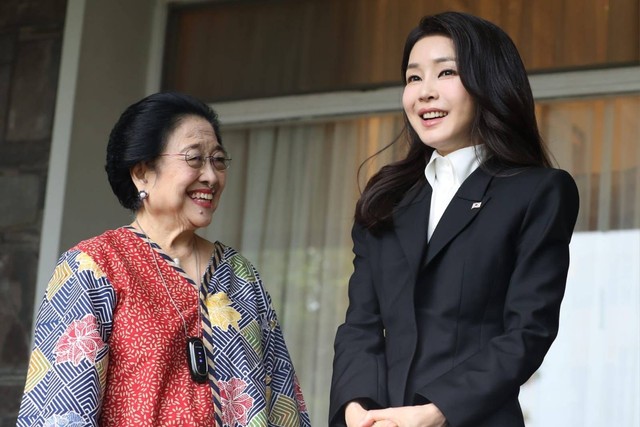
(110, 348)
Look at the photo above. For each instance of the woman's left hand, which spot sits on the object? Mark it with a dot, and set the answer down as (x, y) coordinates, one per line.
(406, 416)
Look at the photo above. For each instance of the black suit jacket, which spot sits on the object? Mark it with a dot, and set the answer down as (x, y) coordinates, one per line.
(466, 319)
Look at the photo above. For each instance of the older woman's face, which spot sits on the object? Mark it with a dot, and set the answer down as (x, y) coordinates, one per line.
(179, 195)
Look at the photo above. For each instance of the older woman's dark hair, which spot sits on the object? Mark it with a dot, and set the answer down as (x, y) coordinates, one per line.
(141, 134)
(492, 71)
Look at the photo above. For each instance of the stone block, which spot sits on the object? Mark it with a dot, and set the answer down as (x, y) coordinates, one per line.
(9, 13)
(24, 235)
(10, 402)
(18, 268)
(18, 199)
(32, 12)
(5, 83)
(7, 46)
(33, 90)
(26, 157)
(17, 282)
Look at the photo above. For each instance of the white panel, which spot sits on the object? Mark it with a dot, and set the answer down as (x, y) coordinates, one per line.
(591, 376)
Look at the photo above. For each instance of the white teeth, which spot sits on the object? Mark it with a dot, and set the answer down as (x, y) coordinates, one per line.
(206, 196)
(433, 115)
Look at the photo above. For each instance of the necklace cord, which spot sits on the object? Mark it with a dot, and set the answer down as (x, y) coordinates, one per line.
(175, 306)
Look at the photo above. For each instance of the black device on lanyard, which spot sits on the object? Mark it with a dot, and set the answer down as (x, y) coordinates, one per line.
(197, 359)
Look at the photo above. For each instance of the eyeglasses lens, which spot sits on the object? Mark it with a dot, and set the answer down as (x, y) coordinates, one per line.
(196, 161)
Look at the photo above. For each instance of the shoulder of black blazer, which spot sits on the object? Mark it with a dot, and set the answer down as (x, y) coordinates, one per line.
(410, 218)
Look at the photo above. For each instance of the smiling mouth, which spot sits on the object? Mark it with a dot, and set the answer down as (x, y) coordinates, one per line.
(202, 196)
(434, 115)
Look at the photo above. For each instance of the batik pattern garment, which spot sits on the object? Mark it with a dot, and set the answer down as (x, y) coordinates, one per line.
(110, 346)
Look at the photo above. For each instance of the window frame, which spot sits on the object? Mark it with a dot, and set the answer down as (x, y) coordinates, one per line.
(310, 107)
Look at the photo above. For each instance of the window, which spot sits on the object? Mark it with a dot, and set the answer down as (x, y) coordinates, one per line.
(291, 193)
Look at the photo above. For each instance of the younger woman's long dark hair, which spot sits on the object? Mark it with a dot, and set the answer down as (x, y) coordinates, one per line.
(492, 71)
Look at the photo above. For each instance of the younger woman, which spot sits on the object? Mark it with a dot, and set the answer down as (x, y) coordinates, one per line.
(461, 249)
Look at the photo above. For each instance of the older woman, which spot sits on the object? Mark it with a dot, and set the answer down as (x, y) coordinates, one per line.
(151, 324)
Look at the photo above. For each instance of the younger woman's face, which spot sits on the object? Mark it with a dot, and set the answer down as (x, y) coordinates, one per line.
(439, 108)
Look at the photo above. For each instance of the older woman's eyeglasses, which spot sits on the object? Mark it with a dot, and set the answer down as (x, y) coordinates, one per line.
(196, 160)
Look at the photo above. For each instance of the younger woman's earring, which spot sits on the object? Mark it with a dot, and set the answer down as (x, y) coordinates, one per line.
(142, 194)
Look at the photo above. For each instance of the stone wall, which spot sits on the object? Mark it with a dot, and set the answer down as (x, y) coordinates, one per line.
(30, 48)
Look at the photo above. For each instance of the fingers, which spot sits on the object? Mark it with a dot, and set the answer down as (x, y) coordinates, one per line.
(380, 414)
(354, 414)
(378, 418)
(368, 422)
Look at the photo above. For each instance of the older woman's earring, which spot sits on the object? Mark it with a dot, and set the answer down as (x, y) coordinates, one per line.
(142, 195)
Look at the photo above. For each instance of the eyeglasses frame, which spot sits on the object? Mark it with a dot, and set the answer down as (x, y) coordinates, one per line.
(225, 160)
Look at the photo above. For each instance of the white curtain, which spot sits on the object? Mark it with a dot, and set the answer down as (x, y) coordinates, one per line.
(288, 207)
(598, 141)
(591, 375)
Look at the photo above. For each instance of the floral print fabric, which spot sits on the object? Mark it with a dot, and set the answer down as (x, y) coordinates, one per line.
(109, 347)
(235, 402)
(80, 341)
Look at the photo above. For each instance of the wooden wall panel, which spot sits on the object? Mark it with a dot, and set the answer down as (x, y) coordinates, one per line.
(238, 49)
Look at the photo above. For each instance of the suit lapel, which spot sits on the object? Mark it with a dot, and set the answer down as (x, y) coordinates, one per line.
(410, 219)
(464, 206)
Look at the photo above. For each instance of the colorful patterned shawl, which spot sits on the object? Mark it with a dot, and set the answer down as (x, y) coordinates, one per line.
(110, 346)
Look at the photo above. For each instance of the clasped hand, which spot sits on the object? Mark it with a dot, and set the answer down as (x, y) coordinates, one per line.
(406, 416)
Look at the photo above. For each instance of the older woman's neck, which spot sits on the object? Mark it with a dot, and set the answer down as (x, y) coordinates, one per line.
(176, 240)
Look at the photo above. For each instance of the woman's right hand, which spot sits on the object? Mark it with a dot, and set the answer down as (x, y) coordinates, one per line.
(354, 414)
(405, 416)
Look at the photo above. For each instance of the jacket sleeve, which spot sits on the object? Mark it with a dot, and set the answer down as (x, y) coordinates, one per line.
(359, 367)
(479, 385)
(68, 365)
